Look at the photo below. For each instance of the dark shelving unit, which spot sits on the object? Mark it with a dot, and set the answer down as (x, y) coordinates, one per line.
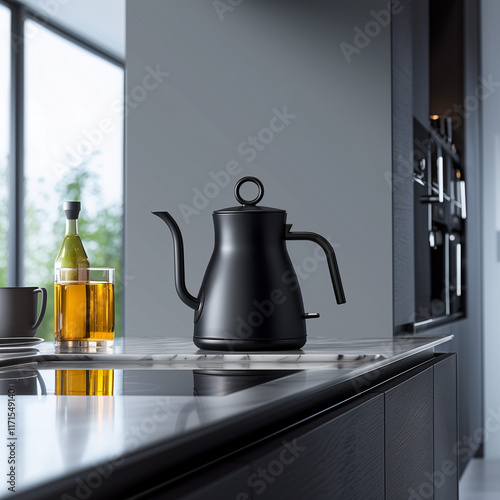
(440, 214)
(437, 253)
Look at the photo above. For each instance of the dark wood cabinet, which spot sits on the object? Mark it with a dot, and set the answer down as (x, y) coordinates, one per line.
(408, 434)
(421, 454)
(421, 433)
(341, 456)
(445, 476)
(396, 440)
(226, 481)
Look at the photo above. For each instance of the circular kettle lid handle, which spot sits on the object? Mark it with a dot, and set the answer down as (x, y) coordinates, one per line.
(242, 181)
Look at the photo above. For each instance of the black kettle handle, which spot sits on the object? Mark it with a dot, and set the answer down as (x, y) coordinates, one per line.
(330, 257)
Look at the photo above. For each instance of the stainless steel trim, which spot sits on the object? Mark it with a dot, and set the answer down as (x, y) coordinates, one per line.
(439, 165)
(310, 315)
(459, 269)
(462, 200)
(447, 272)
(432, 322)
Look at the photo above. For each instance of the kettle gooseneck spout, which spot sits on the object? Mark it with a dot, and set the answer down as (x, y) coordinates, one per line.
(179, 268)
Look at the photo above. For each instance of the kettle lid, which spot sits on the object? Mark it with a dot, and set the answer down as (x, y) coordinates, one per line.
(248, 205)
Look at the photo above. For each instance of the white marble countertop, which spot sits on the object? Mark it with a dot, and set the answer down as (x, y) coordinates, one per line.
(183, 354)
(64, 436)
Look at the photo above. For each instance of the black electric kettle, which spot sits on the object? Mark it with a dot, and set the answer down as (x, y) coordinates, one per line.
(250, 298)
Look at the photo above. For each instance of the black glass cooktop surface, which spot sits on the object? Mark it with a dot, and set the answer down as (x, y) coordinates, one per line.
(134, 382)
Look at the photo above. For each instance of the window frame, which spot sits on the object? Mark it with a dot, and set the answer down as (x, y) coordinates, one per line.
(19, 14)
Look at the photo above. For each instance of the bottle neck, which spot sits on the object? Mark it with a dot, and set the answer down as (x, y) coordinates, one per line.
(71, 226)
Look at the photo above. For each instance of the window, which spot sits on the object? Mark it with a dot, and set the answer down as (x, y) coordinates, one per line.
(72, 150)
(4, 137)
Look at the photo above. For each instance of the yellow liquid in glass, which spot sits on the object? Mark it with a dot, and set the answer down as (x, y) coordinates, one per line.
(84, 311)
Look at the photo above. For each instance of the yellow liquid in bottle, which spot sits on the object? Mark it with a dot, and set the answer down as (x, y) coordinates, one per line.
(71, 255)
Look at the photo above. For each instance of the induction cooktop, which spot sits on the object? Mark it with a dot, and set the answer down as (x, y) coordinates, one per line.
(133, 382)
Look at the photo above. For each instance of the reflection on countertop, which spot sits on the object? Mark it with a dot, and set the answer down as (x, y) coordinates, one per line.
(84, 382)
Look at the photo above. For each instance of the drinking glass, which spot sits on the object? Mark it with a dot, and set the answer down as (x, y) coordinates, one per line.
(84, 307)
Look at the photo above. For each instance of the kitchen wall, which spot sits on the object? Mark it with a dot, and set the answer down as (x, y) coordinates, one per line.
(491, 221)
(295, 93)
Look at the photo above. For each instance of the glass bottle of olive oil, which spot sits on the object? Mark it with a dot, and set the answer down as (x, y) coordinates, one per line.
(71, 299)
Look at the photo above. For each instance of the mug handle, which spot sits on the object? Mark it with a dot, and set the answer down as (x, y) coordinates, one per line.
(43, 291)
(43, 388)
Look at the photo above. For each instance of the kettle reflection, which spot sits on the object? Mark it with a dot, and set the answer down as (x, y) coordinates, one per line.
(223, 382)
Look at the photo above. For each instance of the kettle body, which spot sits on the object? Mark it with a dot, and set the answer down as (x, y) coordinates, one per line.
(250, 296)
(249, 299)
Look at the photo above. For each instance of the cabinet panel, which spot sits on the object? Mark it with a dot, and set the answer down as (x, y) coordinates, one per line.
(223, 481)
(409, 437)
(445, 475)
(397, 441)
(338, 460)
(420, 40)
(229, 487)
(402, 168)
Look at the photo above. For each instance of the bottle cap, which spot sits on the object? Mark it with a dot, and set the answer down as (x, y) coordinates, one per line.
(72, 209)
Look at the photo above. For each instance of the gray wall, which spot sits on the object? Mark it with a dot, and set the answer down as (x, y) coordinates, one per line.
(490, 42)
(228, 73)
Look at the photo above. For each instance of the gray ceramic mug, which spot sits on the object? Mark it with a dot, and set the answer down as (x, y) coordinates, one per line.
(19, 315)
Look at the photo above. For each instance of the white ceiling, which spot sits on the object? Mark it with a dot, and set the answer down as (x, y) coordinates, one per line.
(100, 21)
